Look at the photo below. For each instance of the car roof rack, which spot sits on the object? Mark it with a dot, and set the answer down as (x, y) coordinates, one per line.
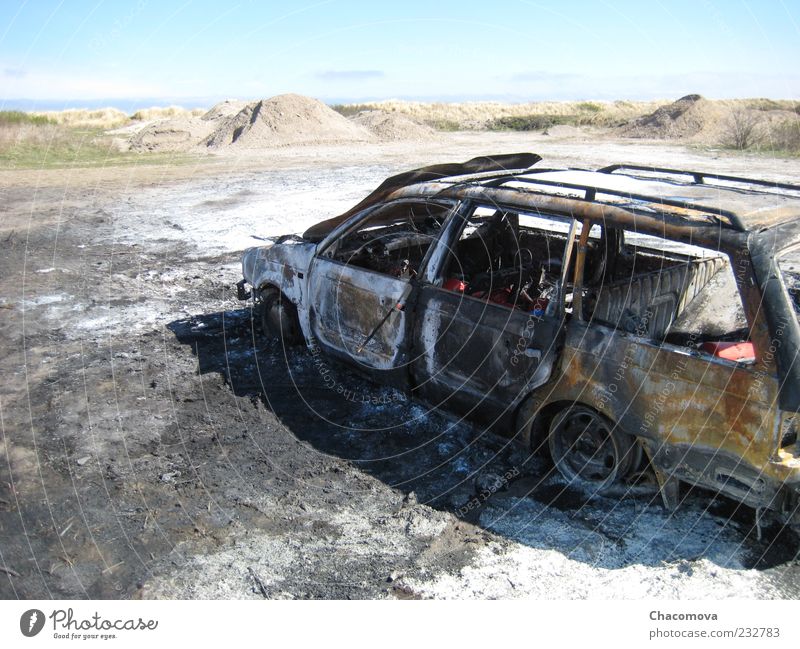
(591, 192)
(699, 176)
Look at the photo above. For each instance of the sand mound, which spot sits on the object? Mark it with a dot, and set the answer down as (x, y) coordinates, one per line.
(285, 120)
(171, 135)
(689, 117)
(393, 126)
(223, 109)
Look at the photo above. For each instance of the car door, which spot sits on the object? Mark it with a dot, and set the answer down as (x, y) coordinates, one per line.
(361, 283)
(474, 353)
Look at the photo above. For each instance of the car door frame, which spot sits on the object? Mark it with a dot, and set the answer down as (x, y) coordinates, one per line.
(527, 345)
(386, 303)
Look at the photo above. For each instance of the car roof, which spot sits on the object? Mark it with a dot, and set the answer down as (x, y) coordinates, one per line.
(742, 204)
(650, 198)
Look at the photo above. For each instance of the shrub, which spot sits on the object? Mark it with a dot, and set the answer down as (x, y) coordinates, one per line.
(742, 129)
(528, 122)
(589, 107)
(348, 110)
(785, 136)
(444, 124)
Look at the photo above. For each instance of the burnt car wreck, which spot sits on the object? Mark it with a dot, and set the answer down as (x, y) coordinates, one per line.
(624, 320)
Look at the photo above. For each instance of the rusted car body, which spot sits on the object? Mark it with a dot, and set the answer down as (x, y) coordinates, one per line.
(625, 320)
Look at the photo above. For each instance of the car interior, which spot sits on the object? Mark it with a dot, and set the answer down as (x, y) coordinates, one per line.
(640, 284)
(633, 282)
(394, 240)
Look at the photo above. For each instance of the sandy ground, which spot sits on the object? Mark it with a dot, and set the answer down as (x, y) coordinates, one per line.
(155, 445)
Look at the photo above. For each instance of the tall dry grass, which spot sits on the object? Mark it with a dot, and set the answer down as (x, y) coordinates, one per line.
(84, 118)
(484, 114)
(166, 112)
(26, 134)
(479, 115)
(108, 118)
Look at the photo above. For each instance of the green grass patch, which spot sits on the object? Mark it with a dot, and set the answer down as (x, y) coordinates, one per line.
(529, 122)
(590, 107)
(12, 117)
(444, 124)
(348, 110)
(27, 146)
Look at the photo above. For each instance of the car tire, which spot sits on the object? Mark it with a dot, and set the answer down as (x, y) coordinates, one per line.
(588, 449)
(279, 318)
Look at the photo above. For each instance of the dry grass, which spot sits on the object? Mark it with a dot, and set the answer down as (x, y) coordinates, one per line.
(43, 146)
(761, 125)
(742, 129)
(11, 117)
(783, 136)
(107, 118)
(479, 115)
(147, 114)
(32, 145)
(81, 117)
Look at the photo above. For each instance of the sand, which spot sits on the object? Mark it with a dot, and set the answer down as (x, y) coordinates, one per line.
(389, 127)
(171, 135)
(698, 120)
(223, 109)
(282, 121)
(685, 118)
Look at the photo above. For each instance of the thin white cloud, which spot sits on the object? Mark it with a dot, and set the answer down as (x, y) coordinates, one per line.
(40, 84)
(14, 73)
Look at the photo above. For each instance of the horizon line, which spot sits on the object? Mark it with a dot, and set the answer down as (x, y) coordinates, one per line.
(132, 104)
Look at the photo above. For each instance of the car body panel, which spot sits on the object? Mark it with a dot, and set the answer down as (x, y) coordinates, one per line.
(347, 304)
(470, 353)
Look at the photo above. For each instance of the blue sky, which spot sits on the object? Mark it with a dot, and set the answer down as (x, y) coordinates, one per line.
(339, 50)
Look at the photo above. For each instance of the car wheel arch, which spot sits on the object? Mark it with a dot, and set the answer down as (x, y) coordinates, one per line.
(535, 415)
(272, 307)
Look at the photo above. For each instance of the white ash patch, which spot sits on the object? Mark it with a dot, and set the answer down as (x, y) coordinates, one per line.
(45, 300)
(509, 571)
(217, 215)
(284, 561)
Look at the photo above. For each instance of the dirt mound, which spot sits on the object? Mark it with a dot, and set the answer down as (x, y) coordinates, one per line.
(171, 135)
(686, 118)
(284, 120)
(393, 126)
(223, 109)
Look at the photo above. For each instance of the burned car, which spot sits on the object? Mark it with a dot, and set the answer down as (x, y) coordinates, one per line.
(627, 320)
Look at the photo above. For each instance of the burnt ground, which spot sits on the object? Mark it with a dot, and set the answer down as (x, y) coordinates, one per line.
(155, 445)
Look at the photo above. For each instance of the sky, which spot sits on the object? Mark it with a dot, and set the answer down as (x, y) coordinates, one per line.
(75, 52)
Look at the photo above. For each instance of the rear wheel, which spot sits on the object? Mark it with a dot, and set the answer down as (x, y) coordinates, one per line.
(588, 448)
(279, 318)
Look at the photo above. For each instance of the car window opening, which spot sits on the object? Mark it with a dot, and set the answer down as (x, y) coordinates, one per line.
(394, 239)
(509, 259)
(670, 292)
